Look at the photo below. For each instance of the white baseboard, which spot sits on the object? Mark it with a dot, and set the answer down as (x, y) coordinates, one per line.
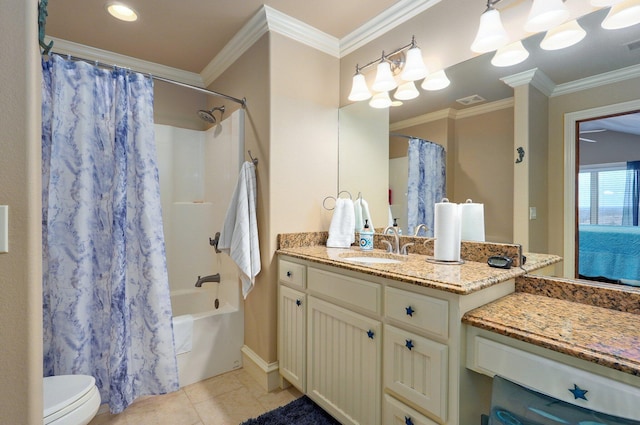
(266, 374)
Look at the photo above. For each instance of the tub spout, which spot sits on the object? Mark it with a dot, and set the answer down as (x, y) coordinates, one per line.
(210, 278)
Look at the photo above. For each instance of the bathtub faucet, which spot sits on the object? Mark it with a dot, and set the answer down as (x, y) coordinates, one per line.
(210, 278)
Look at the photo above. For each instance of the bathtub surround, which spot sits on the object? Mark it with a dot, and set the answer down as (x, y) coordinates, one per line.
(105, 287)
(239, 234)
(197, 171)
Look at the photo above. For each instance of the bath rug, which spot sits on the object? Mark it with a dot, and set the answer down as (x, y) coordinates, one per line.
(302, 411)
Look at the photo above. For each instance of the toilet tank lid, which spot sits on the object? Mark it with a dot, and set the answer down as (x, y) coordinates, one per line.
(60, 391)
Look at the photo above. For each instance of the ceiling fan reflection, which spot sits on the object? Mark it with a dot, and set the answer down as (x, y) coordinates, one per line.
(584, 139)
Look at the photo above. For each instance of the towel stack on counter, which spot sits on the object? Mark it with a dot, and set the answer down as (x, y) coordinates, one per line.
(348, 217)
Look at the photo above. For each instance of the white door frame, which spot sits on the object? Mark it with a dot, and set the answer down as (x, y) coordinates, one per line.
(570, 120)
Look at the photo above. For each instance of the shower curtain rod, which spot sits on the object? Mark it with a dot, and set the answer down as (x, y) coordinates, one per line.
(242, 102)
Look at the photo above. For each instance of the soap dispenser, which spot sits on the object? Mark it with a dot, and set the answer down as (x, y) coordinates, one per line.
(366, 237)
(395, 226)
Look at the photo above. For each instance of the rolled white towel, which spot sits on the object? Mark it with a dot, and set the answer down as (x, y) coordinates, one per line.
(366, 215)
(341, 230)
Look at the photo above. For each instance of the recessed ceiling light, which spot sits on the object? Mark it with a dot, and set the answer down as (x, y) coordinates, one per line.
(122, 12)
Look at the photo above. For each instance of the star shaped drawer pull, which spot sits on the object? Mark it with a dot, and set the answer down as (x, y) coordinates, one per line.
(370, 334)
(409, 344)
(578, 392)
(408, 421)
(298, 303)
(410, 311)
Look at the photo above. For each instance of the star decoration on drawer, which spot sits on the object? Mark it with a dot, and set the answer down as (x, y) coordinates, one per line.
(370, 333)
(409, 344)
(578, 392)
(408, 421)
(410, 311)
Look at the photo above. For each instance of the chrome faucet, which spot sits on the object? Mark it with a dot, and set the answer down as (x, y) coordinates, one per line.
(396, 238)
(418, 227)
(210, 278)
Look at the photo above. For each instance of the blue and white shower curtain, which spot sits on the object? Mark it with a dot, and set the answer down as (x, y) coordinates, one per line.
(107, 311)
(426, 183)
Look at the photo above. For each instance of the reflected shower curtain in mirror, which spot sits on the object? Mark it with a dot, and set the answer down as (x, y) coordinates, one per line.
(631, 195)
(106, 305)
(426, 183)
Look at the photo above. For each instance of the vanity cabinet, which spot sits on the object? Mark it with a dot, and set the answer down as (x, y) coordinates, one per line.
(292, 342)
(376, 351)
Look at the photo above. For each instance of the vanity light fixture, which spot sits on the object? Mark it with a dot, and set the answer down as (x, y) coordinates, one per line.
(546, 14)
(406, 91)
(623, 14)
(380, 100)
(436, 81)
(406, 61)
(563, 36)
(509, 55)
(491, 34)
(121, 11)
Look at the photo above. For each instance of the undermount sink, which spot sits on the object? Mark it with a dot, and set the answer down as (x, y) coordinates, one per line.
(372, 259)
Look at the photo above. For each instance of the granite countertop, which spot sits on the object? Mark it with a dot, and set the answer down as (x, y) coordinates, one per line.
(599, 323)
(461, 279)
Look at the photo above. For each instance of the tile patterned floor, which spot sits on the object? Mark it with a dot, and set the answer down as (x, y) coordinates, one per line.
(228, 399)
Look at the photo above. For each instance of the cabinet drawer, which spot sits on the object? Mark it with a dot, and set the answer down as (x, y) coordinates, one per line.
(292, 273)
(420, 311)
(553, 378)
(398, 413)
(345, 290)
(415, 369)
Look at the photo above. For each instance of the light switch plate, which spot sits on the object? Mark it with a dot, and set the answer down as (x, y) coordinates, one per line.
(4, 229)
(533, 213)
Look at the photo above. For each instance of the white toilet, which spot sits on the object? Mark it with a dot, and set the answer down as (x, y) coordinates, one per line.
(70, 399)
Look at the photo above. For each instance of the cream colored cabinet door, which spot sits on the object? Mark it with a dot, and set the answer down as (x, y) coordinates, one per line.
(292, 342)
(344, 350)
(415, 368)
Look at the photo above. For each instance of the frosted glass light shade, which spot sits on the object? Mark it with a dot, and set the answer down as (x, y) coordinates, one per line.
(509, 55)
(359, 89)
(406, 91)
(546, 14)
(121, 11)
(622, 15)
(604, 3)
(384, 78)
(414, 68)
(380, 100)
(491, 34)
(436, 81)
(563, 36)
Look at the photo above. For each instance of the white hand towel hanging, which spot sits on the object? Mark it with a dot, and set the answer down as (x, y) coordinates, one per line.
(239, 235)
(341, 229)
(366, 215)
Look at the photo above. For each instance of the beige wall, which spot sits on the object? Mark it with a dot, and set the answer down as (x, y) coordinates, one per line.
(479, 163)
(177, 106)
(21, 268)
(601, 96)
(292, 127)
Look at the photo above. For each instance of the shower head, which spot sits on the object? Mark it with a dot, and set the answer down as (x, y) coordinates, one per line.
(208, 116)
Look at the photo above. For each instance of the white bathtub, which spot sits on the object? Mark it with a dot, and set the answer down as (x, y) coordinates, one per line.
(218, 334)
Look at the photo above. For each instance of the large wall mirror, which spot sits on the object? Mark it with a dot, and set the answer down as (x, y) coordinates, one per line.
(603, 69)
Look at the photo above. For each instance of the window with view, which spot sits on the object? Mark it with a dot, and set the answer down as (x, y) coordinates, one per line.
(601, 193)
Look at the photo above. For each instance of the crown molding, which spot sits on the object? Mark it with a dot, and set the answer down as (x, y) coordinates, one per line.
(485, 108)
(535, 77)
(265, 20)
(395, 15)
(64, 47)
(250, 33)
(304, 33)
(453, 114)
(597, 80)
(423, 119)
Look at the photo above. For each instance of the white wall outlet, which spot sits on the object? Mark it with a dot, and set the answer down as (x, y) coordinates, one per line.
(4, 229)
(533, 213)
